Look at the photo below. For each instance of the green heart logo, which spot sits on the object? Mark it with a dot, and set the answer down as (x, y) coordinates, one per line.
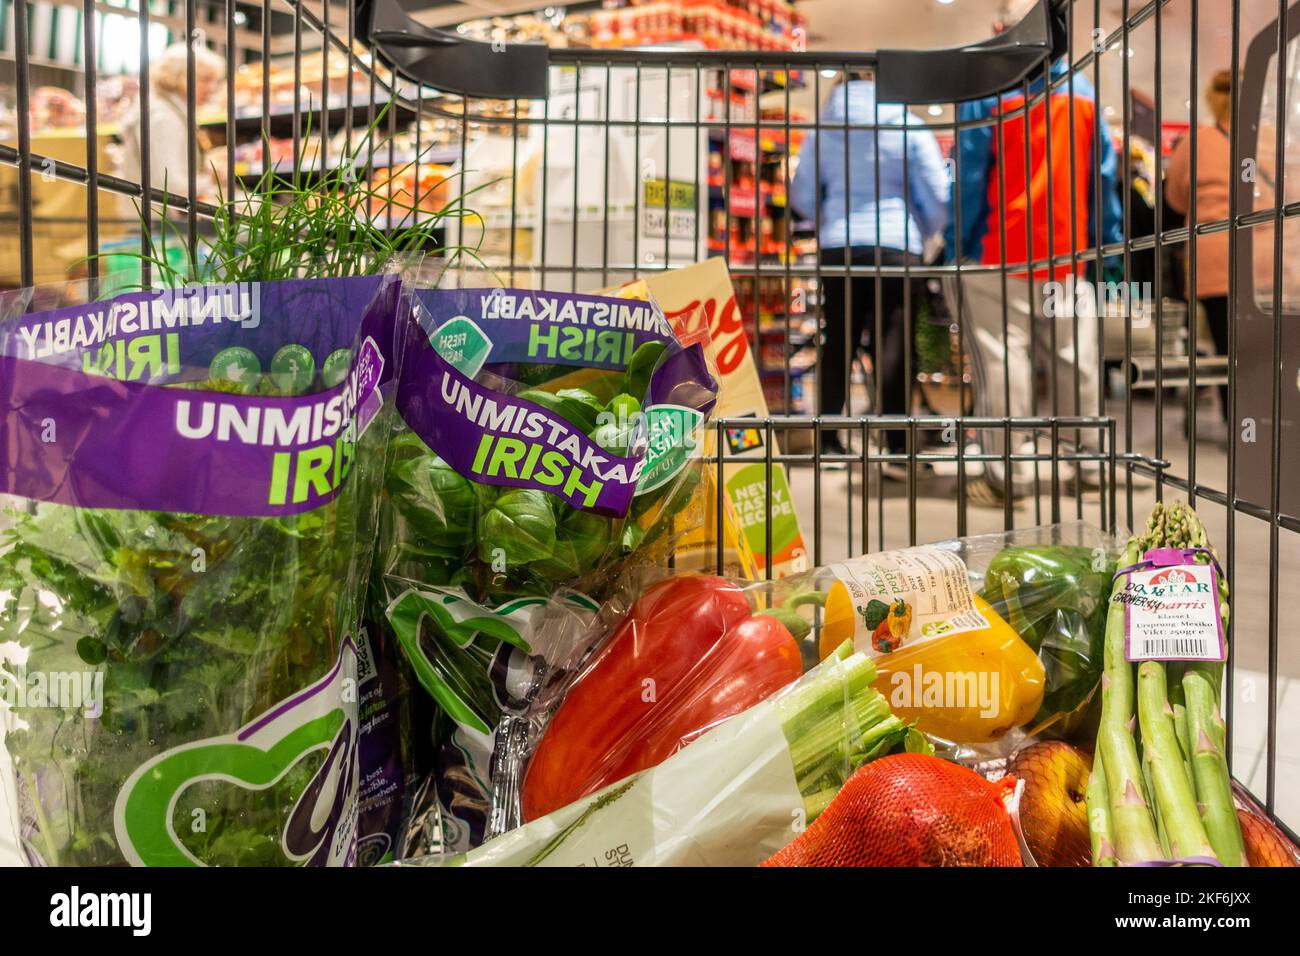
(322, 824)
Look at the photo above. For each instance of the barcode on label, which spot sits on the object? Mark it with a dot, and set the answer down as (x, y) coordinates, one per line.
(1172, 648)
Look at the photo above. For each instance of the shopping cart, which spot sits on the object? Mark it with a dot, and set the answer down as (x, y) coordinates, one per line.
(590, 167)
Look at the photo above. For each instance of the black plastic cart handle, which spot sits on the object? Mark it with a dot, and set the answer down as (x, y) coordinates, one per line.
(452, 63)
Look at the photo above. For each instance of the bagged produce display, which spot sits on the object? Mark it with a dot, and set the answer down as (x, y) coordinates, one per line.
(392, 764)
(1161, 790)
(546, 439)
(1264, 843)
(669, 659)
(981, 640)
(1053, 811)
(196, 476)
(287, 577)
(688, 654)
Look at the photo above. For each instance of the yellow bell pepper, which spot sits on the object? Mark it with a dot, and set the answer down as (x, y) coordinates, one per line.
(970, 687)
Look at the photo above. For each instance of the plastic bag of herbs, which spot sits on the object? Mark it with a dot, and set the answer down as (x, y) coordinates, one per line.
(546, 437)
(547, 440)
(196, 474)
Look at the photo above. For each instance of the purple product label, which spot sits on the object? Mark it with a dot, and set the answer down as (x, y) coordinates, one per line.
(552, 328)
(80, 438)
(168, 335)
(497, 439)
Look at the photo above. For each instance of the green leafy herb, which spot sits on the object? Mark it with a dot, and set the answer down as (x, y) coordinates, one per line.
(519, 527)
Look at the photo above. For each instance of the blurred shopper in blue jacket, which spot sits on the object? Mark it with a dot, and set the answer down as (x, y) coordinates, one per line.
(861, 201)
(1054, 171)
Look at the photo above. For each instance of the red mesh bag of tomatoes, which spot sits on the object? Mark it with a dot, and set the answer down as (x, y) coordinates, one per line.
(911, 810)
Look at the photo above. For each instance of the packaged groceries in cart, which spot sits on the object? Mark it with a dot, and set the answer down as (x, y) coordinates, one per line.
(546, 436)
(194, 473)
(547, 440)
(741, 790)
(905, 650)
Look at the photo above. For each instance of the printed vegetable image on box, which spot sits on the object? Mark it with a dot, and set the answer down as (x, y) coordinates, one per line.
(702, 295)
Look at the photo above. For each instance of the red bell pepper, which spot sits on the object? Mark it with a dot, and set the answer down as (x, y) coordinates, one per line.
(689, 654)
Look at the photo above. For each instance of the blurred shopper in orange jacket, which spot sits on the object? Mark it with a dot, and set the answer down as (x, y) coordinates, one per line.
(1213, 182)
(1028, 191)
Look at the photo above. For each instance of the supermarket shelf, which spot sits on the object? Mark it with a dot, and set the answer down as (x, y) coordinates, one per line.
(279, 120)
(778, 374)
(740, 140)
(438, 156)
(773, 80)
(743, 254)
(526, 217)
(797, 336)
(742, 199)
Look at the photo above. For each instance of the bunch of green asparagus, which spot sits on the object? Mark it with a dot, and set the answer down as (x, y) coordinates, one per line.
(1160, 787)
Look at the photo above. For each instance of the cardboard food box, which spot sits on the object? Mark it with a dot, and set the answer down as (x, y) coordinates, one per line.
(703, 293)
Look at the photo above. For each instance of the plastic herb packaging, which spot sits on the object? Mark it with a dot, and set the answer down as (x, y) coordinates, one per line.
(197, 475)
(480, 665)
(547, 436)
(546, 440)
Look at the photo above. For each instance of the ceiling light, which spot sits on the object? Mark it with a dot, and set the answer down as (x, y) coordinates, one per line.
(935, 109)
(830, 74)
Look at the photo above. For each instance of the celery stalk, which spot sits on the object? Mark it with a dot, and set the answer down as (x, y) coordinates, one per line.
(834, 721)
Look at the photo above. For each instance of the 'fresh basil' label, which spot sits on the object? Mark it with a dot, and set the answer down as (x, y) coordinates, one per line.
(673, 430)
(463, 344)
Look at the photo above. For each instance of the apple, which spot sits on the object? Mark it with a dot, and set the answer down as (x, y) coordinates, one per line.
(1053, 807)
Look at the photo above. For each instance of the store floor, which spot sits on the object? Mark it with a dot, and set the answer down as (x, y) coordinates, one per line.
(841, 525)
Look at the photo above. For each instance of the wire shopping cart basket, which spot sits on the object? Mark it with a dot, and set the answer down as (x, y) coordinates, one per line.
(1050, 373)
